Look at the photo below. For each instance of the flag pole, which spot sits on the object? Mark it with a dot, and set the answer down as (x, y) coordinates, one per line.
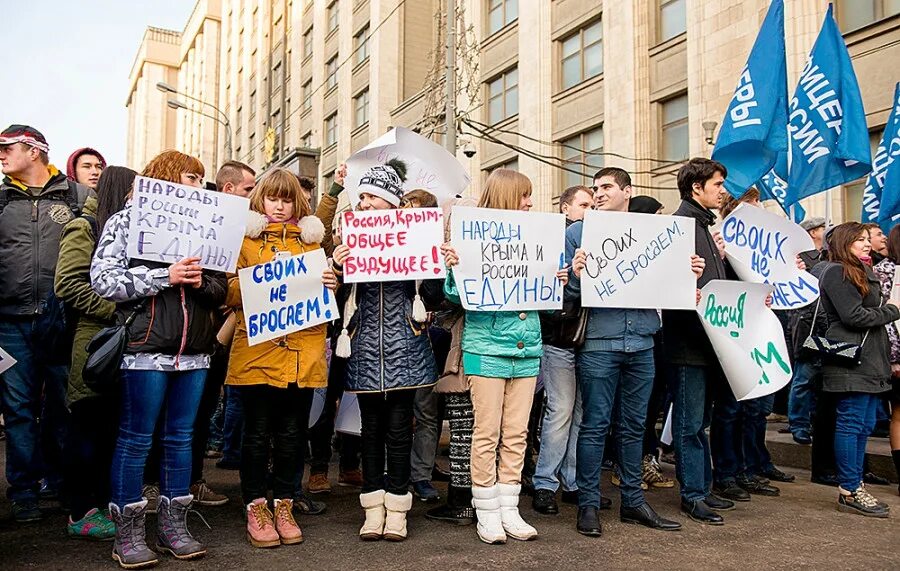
(828, 207)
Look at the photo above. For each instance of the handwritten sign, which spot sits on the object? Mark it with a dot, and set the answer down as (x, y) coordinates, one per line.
(638, 261)
(6, 361)
(747, 337)
(170, 222)
(762, 247)
(508, 259)
(393, 245)
(285, 295)
(429, 166)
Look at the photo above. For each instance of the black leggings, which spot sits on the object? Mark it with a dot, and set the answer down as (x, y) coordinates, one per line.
(386, 433)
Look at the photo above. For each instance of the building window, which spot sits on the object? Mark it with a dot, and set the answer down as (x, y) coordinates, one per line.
(581, 153)
(331, 129)
(361, 45)
(675, 136)
(328, 180)
(332, 16)
(503, 96)
(307, 43)
(237, 116)
(853, 14)
(277, 76)
(672, 18)
(306, 95)
(331, 73)
(361, 108)
(306, 140)
(582, 55)
(253, 104)
(501, 13)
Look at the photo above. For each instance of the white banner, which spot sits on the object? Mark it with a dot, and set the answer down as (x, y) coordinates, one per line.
(285, 295)
(762, 247)
(508, 259)
(170, 222)
(349, 419)
(393, 245)
(747, 337)
(638, 261)
(6, 361)
(429, 166)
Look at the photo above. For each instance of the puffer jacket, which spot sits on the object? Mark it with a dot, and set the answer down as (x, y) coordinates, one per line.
(73, 287)
(389, 350)
(298, 357)
(30, 229)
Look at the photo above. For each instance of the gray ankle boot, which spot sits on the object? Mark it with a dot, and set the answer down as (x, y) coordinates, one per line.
(130, 548)
(172, 533)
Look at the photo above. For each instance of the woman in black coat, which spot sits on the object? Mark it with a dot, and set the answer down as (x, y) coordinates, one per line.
(857, 314)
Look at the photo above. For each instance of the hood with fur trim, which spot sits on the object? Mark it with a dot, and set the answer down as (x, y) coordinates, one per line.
(312, 231)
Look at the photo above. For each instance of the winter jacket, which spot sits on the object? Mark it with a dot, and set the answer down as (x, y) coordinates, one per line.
(499, 344)
(326, 211)
(800, 322)
(610, 329)
(175, 326)
(298, 357)
(885, 271)
(684, 340)
(73, 287)
(850, 317)
(31, 222)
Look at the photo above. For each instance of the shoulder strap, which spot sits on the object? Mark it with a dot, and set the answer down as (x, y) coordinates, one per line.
(72, 199)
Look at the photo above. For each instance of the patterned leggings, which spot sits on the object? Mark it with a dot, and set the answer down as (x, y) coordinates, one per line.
(459, 414)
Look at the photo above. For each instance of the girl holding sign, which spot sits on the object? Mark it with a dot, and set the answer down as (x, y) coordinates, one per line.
(501, 357)
(275, 378)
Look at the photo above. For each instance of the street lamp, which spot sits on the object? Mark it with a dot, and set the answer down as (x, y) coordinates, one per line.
(222, 118)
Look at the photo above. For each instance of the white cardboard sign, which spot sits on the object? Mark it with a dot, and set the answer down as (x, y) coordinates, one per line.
(285, 295)
(349, 419)
(747, 337)
(762, 247)
(638, 261)
(170, 222)
(508, 259)
(393, 245)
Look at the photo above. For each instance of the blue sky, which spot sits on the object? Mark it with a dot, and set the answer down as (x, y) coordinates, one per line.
(65, 68)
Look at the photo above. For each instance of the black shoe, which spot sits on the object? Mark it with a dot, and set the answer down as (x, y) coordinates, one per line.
(571, 497)
(544, 502)
(644, 515)
(458, 509)
(605, 503)
(730, 490)
(868, 478)
(801, 436)
(756, 486)
(777, 475)
(718, 504)
(589, 522)
(698, 511)
(305, 505)
(824, 480)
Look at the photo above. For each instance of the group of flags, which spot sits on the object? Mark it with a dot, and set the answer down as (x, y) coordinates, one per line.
(790, 149)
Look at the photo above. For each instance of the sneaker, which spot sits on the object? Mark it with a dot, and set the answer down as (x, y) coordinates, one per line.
(426, 492)
(651, 474)
(862, 502)
(205, 496)
(351, 478)
(26, 510)
(308, 506)
(150, 492)
(318, 484)
(96, 525)
(617, 480)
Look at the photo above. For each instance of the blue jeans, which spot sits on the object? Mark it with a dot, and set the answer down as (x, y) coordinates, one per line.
(800, 402)
(34, 389)
(726, 433)
(855, 422)
(233, 426)
(757, 459)
(690, 419)
(562, 418)
(607, 377)
(146, 396)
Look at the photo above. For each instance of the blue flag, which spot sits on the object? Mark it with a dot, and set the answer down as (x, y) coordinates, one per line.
(829, 137)
(881, 197)
(754, 129)
(772, 186)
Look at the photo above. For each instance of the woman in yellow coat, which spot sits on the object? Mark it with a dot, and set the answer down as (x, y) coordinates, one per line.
(275, 378)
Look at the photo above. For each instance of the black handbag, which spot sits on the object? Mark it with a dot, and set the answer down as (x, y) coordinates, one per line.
(102, 368)
(841, 353)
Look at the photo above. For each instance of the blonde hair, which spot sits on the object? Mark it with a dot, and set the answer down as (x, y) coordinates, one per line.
(504, 189)
(280, 183)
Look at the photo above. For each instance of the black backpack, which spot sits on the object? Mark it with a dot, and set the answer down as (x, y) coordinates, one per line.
(70, 198)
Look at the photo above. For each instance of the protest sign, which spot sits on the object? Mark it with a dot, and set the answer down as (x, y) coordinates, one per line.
(429, 165)
(285, 295)
(746, 336)
(6, 361)
(170, 222)
(349, 419)
(762, 247)
(508, 259)
(638, 261)
(392, 245)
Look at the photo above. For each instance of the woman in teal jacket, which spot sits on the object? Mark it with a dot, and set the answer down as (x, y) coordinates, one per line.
(501, 357)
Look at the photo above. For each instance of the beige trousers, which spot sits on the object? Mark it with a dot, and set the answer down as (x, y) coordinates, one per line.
(502, 407)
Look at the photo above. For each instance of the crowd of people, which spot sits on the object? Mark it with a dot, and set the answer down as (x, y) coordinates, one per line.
(537, 402)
